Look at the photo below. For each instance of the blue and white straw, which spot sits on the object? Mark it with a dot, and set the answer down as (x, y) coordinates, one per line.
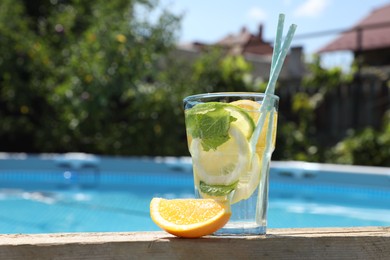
(278, 56)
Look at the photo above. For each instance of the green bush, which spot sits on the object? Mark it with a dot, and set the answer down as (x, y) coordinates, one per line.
(73, 76)
(298, 135)
(296, 140)
(101, 77)
(365, 147)
(98, 77)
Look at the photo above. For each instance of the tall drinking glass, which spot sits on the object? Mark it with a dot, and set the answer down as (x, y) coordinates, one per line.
(231, 137)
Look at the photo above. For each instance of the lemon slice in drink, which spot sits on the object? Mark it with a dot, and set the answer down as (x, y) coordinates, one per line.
(251, 107)
(253, 110)
(248, 181)
(217, 168)
(224, 165)
(244, 121)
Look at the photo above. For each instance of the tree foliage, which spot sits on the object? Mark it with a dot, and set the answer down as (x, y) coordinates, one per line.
(99, 77)
(298, 135)
(74, 75)
(103, 77)
(364, 147)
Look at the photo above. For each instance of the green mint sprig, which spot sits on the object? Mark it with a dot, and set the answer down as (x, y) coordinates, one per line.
(210, 122)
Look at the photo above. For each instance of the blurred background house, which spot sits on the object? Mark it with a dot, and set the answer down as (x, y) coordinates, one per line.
(256, 50)
(361, 103)
(369, 40)
(369, 95)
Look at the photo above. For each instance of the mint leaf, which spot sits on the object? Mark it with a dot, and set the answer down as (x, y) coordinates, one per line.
(210, 122)
(217, 190)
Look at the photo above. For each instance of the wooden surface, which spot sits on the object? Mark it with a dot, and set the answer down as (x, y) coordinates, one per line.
(334, 243)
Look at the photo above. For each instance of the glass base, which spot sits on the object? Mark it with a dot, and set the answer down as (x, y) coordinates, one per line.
(241, 229)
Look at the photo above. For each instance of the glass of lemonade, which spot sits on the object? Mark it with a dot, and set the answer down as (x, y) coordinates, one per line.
(231, 153)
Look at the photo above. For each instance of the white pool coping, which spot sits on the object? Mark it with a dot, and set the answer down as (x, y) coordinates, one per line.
(355, 169)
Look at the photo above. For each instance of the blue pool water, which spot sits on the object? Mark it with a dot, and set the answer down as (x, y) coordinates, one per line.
(48, 196)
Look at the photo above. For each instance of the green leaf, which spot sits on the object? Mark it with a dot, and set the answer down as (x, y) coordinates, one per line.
(210, 122)
(217, 190)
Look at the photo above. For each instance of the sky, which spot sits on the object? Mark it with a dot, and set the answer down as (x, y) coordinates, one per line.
(210, 20)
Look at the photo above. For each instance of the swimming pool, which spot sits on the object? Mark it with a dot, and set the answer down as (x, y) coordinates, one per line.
(84, 193)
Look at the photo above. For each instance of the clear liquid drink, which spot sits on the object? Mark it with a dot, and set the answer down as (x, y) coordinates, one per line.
(231, 139)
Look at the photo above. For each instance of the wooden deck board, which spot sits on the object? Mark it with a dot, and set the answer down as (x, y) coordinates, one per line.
(318, 243)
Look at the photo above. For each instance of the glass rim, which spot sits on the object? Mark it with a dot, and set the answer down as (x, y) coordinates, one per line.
(229, 94)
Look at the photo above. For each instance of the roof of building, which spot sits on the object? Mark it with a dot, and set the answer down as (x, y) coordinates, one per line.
(232, 39)
(255, 50)
(243, 43)
(246, 43)
(375, 33)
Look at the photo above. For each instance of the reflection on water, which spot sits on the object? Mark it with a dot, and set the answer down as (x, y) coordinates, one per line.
(315, 209)
(80, 210)
(47, 197)
(77, 198)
